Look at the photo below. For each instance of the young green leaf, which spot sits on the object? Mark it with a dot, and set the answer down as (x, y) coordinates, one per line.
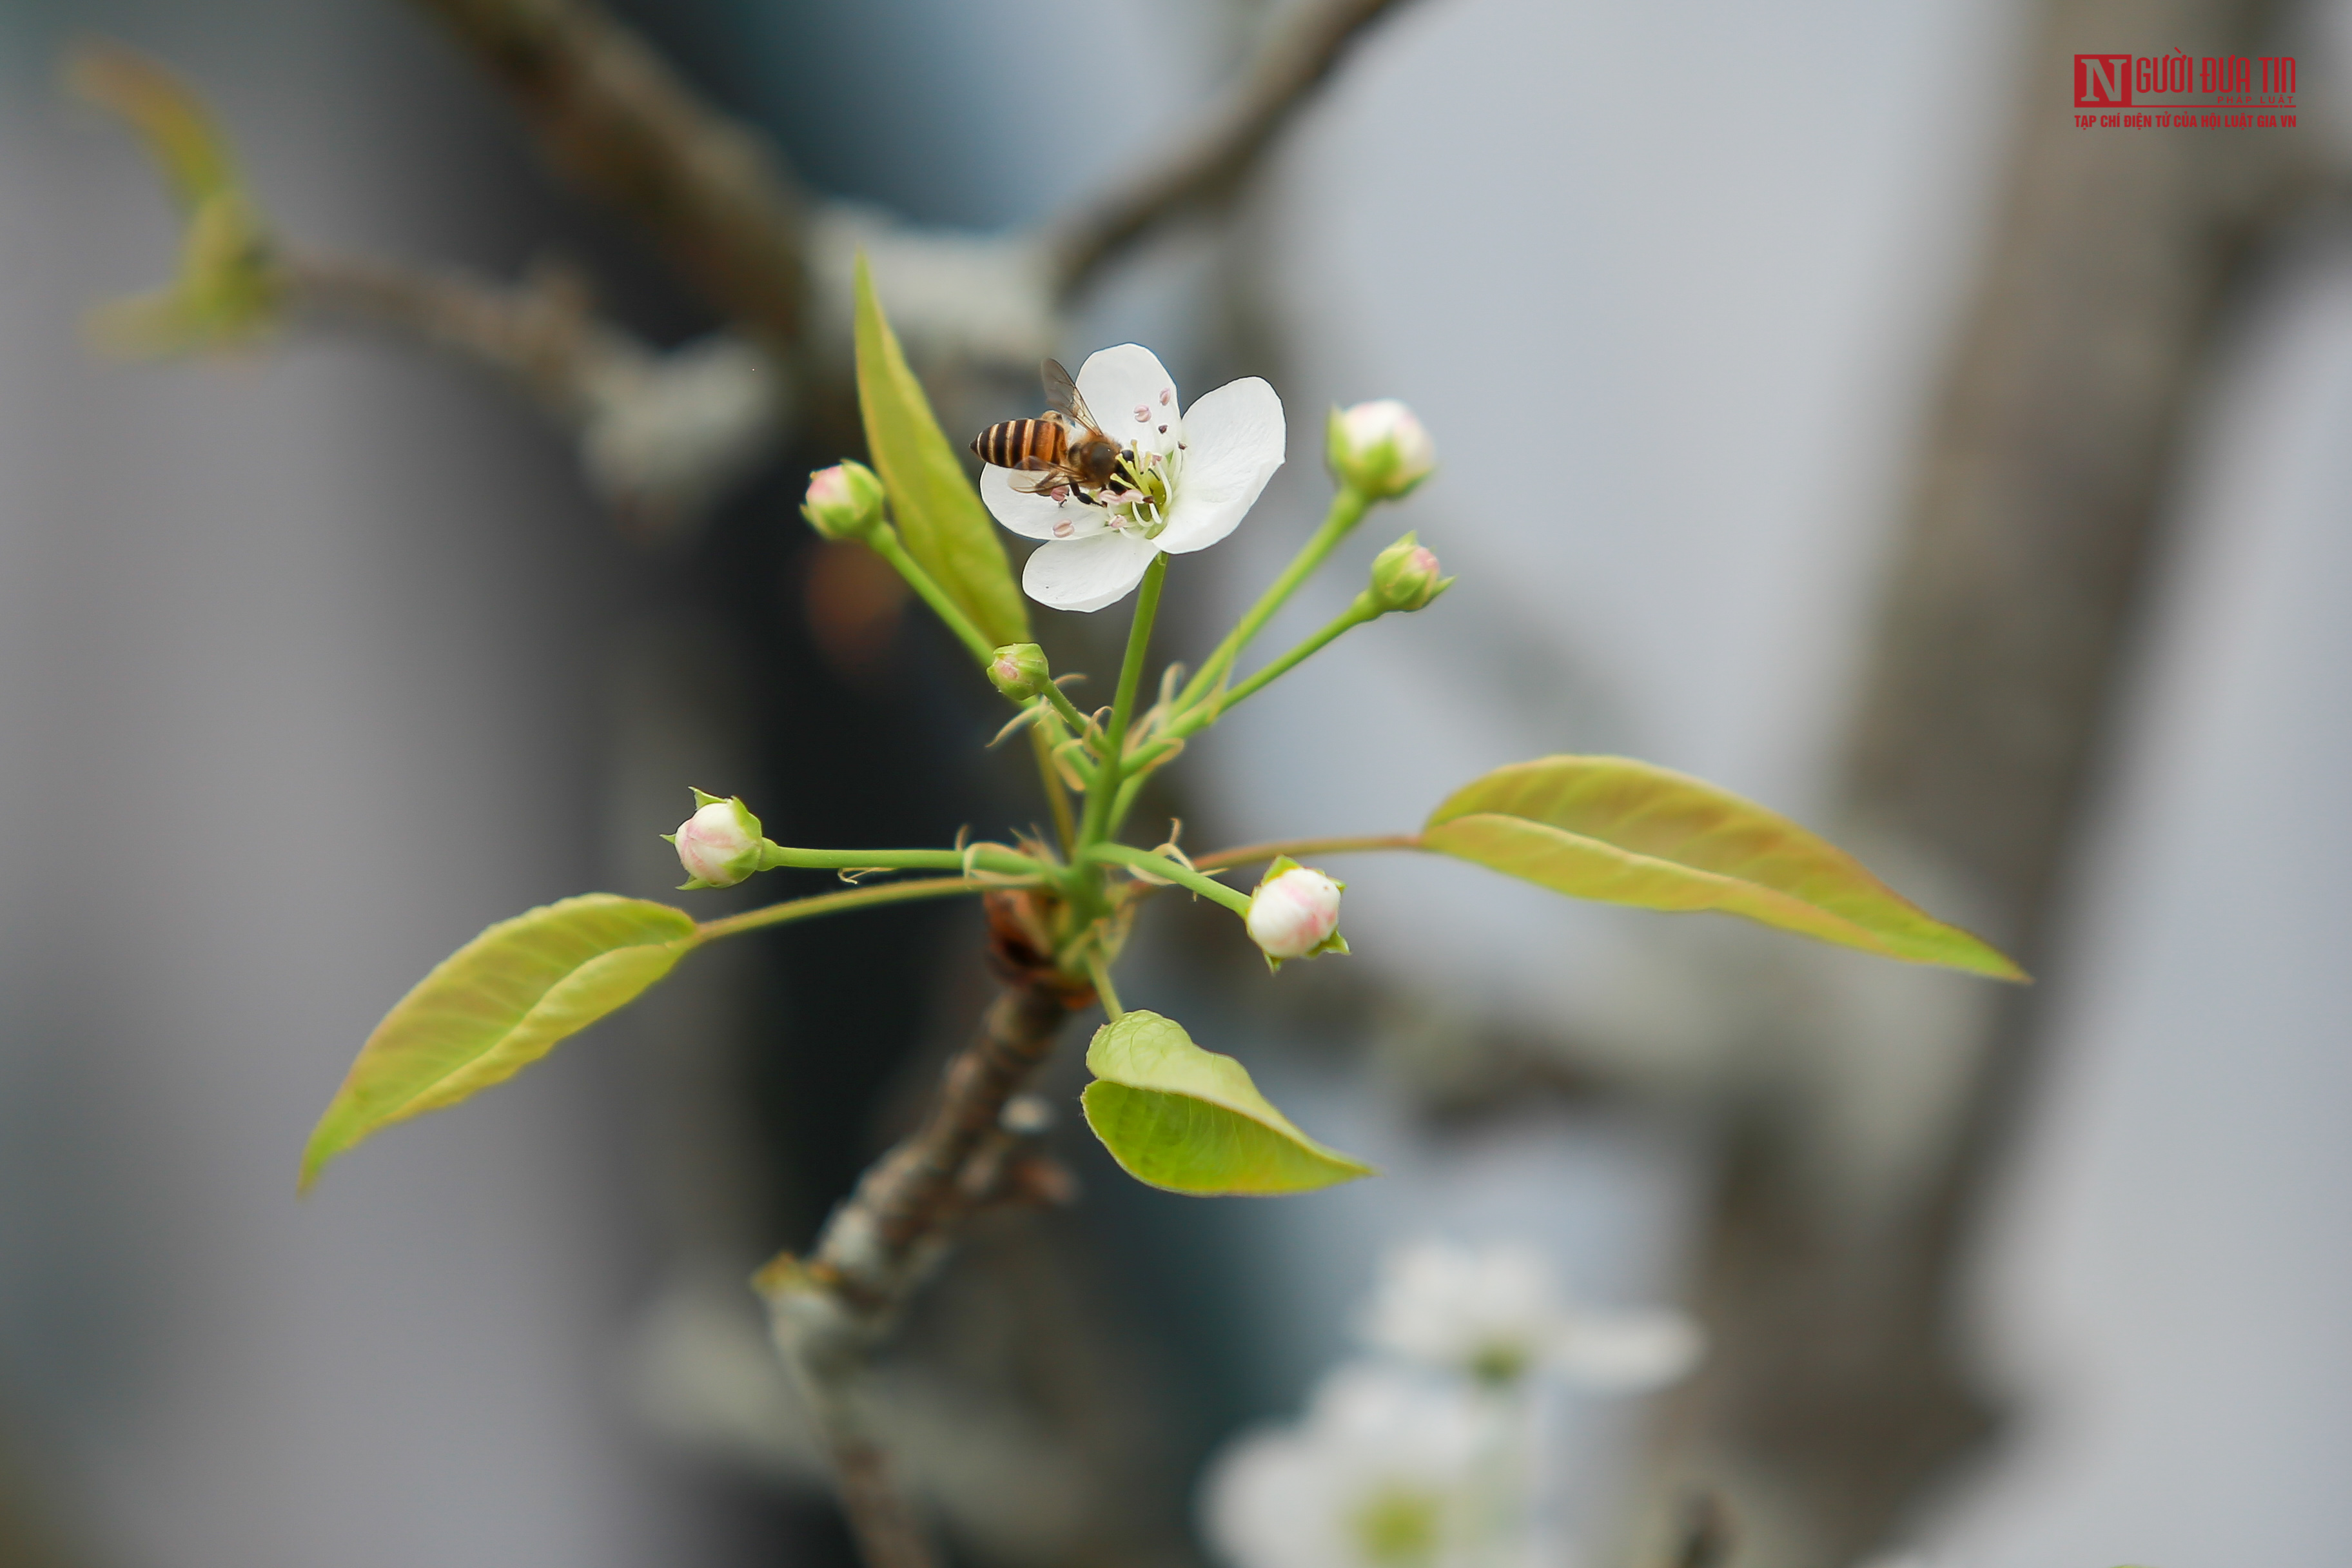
(1189, 1120)
(228, 291)
(494, 1007)
(1626, 832)
(166, 114)
(938, 514)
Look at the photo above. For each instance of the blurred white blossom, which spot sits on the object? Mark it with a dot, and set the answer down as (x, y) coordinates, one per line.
(1378, 1475)
(1495, 1313)
(1437, 1454)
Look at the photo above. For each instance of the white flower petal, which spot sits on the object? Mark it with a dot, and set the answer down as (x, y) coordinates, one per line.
(1086, 573)
(1295, 1496)
(1132, 396)
(1233, 440)
(1033, 515)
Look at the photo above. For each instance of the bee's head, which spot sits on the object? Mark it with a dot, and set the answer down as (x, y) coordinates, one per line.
(1100, 461)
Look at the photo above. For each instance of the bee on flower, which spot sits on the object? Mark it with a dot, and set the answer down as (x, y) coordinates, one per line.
(1127, 474)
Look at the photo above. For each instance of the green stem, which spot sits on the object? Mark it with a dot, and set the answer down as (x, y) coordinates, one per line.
(1302, 848)
(1357, 613)
(829, 903)
(1191, 721)
(1099, 972)
(1130, 787)
(886, 544)
(1348, 508)
(1004, 862)
(1173, 871)
(1057, 795)
(1066, 709)
(1104, 787)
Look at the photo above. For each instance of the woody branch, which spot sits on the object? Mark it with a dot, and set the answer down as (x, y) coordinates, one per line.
(875, 1250)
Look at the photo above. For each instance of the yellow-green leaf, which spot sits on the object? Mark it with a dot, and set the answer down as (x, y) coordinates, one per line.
(1190, 1120)
(166, 114)
(498, 1004)
(1626, 832)
(938, 514)
(227, 291)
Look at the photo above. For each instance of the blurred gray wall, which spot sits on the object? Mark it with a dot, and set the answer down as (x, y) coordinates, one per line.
(303, 660)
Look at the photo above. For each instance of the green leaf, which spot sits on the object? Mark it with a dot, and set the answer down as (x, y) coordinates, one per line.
(1189, 1120)
(180, 133)
(1626, 832)
(498, 1004)
(228, 290)
(938, 514)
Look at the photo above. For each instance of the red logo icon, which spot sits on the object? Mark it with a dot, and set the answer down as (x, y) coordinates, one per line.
(2103, 81)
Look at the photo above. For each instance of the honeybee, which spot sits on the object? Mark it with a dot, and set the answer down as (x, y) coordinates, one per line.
(1062, 450)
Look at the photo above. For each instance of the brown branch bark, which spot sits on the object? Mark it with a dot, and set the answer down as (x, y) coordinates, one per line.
(1839, 1391)
(875, 1250)
(540, 333)
(1306, 45)
(614, 119)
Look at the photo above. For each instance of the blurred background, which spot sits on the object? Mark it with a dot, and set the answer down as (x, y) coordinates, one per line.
(1819, 413)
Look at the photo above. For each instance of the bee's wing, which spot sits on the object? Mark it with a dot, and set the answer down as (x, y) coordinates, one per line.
(1061, 394)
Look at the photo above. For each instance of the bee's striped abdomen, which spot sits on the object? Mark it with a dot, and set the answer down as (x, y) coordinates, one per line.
(1010, 444)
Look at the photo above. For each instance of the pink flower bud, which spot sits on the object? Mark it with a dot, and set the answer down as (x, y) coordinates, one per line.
(844, 501)
(1019, 670)
(1294, 912)
(1379, 447)
(1405, 576)
(721, 844)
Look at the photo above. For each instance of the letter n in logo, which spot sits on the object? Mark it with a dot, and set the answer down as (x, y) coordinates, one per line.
(2103, 81)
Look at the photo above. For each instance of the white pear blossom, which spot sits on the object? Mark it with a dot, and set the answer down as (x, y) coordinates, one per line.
(1495, 1313)
(1188, 478)
(1380, 1474)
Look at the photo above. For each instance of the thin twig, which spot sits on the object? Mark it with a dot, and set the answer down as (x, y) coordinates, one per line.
(541, 333)
(616, 120)
(1250, 853)
(830, 903)
(878, 1247)
(661, 434)
(1301, 50)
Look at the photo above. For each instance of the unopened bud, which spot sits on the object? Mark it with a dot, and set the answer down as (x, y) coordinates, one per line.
(844, 501)
(1378, 447)
(1019, 670)
(1405, 576)
(1295, 913)
(719, 845)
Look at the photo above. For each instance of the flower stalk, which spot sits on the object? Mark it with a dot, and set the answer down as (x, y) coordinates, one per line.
(1103, 789)
(886, 545)
(1169, 870)
(1348, 508)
